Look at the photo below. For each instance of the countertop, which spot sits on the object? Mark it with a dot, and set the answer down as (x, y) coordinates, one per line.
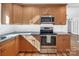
(63, 33)
(14, 34)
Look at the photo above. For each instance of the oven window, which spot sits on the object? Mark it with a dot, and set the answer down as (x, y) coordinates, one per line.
(48, 40)
(43, 38)
(53, 40)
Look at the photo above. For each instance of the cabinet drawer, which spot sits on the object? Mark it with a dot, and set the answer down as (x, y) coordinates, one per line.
(48, 51)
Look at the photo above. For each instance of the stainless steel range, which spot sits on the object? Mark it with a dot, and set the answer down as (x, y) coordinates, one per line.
(48, 37)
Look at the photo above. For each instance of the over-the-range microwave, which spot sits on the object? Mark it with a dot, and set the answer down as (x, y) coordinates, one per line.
(47, 19)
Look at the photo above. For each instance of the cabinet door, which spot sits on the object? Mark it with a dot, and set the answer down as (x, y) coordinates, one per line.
(26, 46)
(17, 44)
(61, 15)
(63, 42)
(6, 13)
(59, 43)
(66, 42)
(0, 51)
(17, 14)
(9, 48)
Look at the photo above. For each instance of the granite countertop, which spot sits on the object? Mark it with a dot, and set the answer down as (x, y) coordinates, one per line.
(63, 33)
(14, 34)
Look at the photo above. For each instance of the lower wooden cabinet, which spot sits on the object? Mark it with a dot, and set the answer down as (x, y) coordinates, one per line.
(17, 44)
(63, 42)
(0, 51)
(8, 48)
(14, 45)
(37, 37)
(25, 46)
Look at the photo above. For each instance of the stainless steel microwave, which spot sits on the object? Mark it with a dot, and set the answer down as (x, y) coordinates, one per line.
(47, 19)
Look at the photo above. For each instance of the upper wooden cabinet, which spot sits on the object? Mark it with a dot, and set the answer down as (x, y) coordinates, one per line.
(11, 14)
(17, 14)
(30, 13)
(33, 12)
(6, 13)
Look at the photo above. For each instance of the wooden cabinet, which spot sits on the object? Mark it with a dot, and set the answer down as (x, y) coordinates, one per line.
(8, 48)
(25, 46)
(17, 14)
(34, 12)
(0, 51)
(17, 44)
(11, 13)
(63, 42)
(30, 13)
(37, 37)
(61, 15)
(6, 13)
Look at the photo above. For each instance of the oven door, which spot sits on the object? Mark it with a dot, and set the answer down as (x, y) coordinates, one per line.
(48, 40)
(43, 40)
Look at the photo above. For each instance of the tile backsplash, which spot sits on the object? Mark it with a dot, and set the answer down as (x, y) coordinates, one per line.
(24, 28)
(30, 28)
(6, 29)
(60, 28)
